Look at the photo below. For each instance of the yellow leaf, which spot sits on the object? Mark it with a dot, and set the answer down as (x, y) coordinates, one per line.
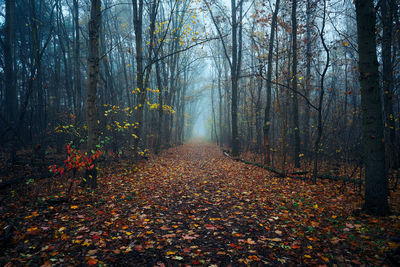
(128, 233)
(86, 243)
(307, 256)
(31, 229)
(171, 252)
(74, 207)
(315, 206)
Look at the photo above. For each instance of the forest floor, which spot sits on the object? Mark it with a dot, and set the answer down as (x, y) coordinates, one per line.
(191, 205)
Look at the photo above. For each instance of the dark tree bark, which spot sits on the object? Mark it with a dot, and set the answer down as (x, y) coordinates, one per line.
(77, 72)
(294, 86)
(387, 76)
(235, 71)
(214, 124)
(137, 24)
(93, 75)
(321, 98)
(376, 183)
(259, 108)
(37, 69)
(10, 77)
(142, 73)
(11, 100)
(221, 142)
(267, 119)
(124, 67)
(160, 110)
(307, 78)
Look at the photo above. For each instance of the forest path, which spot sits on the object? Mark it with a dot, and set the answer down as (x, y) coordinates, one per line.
(192, 205)
(196, 206)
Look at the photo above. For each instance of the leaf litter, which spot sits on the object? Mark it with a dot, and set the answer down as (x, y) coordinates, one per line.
(193, 206)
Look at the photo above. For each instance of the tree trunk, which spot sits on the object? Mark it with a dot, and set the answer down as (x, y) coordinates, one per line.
(37, 69)
(294, 86)
(11, 90)
(235, 72)
(160, 110)
(376, 183)
(93, 75)
(77, 72)
(259, 108)
(11, 100)
(321, 98)
(267, 119)
(307, 78)
(214, 123)
(387, 75)
(221, 134)
(137, 24)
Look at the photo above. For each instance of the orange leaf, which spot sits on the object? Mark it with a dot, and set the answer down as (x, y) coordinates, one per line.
(254, 258)
(92, 261)
(325, 259)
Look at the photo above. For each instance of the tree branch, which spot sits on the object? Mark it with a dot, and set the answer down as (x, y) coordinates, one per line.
(219, 33)
(285, 86)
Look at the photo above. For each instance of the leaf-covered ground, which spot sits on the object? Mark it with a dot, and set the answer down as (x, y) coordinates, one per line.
(193, 206)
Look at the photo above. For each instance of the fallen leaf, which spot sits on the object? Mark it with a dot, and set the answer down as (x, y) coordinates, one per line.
(92, 261)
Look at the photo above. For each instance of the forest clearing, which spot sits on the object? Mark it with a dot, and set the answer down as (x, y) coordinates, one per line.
(194, 206)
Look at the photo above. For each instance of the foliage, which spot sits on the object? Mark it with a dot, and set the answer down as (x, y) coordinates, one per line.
(76, 161)
(70, 130)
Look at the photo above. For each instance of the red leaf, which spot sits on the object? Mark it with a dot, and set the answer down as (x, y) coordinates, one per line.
(210, 227)
(92, 261)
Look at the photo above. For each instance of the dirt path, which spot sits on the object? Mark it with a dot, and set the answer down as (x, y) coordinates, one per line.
(191, 205)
